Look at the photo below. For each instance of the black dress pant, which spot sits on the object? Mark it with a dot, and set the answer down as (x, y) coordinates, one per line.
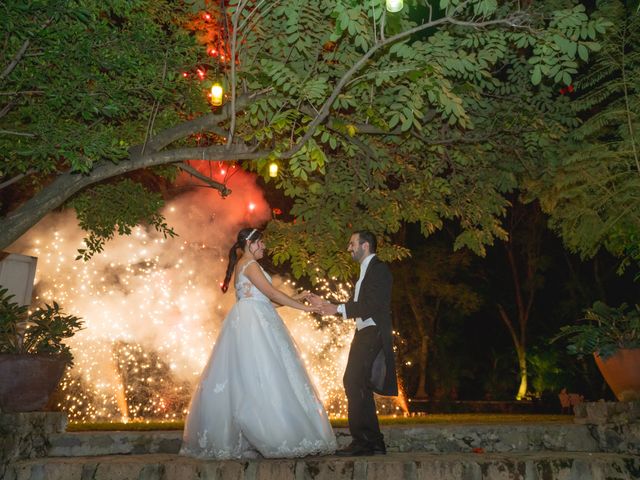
(363, 421)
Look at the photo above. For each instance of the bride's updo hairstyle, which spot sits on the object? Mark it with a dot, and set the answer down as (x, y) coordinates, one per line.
(251, 234)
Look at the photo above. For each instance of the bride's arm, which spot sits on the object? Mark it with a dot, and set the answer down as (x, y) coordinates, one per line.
(254, 273)
(297, 297)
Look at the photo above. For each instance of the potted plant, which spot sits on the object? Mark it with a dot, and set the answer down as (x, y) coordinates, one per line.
(612, 336)
(32, 353)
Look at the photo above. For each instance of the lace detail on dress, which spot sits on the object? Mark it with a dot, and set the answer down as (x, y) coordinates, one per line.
(245, 288)
(305, 448)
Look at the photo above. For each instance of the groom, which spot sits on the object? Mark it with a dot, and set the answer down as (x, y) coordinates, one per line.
(371, 366)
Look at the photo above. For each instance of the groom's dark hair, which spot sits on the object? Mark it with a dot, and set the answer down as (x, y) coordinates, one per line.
(370, 238)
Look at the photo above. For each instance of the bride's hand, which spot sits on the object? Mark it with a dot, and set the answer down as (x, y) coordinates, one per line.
(301, 295)
(315, 300)
(312, 309)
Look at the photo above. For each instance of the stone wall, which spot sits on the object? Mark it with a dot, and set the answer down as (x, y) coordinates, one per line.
(614, 425)
(26, 435)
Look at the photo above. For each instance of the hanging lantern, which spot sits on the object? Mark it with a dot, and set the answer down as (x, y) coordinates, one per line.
(273, 169)
(394, 6)
(216, 94)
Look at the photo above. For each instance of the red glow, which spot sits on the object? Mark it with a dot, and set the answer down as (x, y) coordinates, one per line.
(213, 52)
(252, 207)
(223, 172)
(201, 74)
(567, 89)
(185, 74)
(206, 16)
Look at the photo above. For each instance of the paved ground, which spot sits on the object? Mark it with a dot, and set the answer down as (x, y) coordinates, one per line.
(409, 466)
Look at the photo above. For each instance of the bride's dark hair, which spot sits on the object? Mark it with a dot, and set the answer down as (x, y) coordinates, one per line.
(251, 234)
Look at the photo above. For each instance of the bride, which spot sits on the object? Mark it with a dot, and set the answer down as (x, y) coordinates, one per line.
(254, 396)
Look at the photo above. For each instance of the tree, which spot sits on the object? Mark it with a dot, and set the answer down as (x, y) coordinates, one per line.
(431, 288)
(590, 184)
(375, 119)
(526, 262)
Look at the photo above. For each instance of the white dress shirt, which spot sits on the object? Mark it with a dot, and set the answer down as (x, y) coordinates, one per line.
(360, 323)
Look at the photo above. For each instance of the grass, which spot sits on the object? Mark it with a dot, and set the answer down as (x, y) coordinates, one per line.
(428, 419)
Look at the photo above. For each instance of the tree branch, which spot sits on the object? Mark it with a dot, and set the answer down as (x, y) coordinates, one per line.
(505, 318)
(201, 124)
(234, 23)
(224, 191)
(20, 53)
(13, 180)
(156, 105)
(7, 108)
(55, 194)
(510, 21)
(19, 134)
(16, 59)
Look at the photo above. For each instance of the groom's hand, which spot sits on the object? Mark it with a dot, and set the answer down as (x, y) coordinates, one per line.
(328, 309)
(315, 300)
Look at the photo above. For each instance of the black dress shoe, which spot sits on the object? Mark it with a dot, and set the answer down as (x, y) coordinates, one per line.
(355, 450)
(379, 449)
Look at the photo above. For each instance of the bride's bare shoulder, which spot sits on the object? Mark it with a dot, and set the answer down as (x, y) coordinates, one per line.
(242, 264)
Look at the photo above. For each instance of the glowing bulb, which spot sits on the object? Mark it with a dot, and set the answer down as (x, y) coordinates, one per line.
(252, 206)
(394, 6)
(216, 94)
(273, 170)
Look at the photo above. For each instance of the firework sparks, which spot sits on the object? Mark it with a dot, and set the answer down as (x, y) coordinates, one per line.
(152, 310)
(150, 328)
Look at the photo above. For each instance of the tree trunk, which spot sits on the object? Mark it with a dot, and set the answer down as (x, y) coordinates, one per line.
(522, 364)
(421, 392)
(519, 345)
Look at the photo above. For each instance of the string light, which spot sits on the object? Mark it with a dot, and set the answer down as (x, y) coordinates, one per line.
(216, 94)
(273, 169)
(394, 6)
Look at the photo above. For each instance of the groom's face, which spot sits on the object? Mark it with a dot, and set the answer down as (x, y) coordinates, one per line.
(356, 249)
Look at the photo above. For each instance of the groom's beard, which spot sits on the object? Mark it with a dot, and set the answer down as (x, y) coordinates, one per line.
(358, 255)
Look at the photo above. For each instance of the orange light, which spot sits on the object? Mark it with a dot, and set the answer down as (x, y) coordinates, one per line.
(252, 207)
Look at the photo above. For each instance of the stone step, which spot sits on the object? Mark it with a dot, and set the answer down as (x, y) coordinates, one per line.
(394, 466)
(434, 438)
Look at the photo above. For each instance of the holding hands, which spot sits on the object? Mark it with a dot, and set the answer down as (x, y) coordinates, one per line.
(316, 304)
(323, 306)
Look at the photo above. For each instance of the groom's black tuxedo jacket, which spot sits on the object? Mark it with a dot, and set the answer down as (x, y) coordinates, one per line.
(374, 301)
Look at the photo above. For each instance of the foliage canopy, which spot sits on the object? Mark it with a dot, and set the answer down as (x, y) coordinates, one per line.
(376, 119)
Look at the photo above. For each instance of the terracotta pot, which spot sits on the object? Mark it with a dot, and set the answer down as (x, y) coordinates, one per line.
(27, 381)
(622, 373)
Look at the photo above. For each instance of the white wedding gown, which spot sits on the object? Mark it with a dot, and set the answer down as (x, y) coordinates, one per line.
(254, 395)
